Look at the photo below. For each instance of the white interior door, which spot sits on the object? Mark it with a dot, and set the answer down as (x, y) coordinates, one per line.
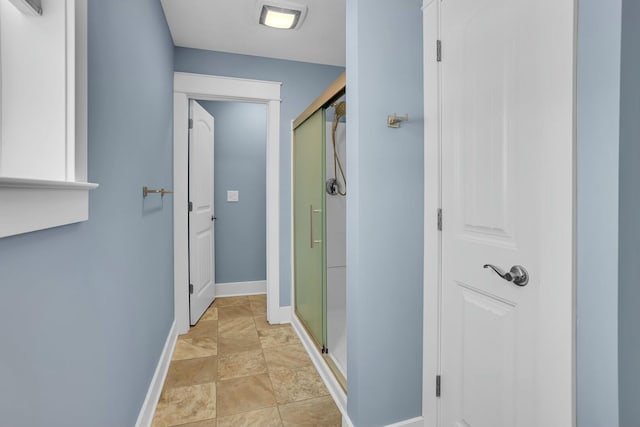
(201, 216)
(507, 199)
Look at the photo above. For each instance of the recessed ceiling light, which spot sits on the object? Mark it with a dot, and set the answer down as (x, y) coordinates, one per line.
(284, 16)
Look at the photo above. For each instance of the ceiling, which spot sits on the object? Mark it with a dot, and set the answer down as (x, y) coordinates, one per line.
(232, 26)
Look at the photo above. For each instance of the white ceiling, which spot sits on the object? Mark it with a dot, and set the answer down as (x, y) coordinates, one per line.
(232, 26)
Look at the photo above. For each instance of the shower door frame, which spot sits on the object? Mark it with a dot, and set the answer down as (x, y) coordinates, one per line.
(330, 94)
(320, 341)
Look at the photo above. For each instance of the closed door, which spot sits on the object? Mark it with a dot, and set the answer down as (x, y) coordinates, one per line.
(309, 229)
(202, 272)
(507, 200)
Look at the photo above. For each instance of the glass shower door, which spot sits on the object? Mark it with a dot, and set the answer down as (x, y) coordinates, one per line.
(309, 225)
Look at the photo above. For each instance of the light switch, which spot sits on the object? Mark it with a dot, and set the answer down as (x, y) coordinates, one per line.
(233, 196)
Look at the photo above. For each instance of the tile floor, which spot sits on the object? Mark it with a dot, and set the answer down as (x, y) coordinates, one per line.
(233, 369)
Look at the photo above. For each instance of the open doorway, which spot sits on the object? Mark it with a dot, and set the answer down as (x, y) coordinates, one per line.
(227, 196)
(214, 88)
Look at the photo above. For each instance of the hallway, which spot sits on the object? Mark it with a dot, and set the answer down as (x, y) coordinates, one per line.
(234, 369)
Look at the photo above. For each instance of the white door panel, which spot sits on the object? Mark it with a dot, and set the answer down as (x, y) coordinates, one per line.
(201, 230)
(507, 103)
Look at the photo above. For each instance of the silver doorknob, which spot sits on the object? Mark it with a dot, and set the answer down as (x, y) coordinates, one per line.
(518, 274)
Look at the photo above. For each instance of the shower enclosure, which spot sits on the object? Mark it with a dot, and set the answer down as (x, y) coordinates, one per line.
(319, 205)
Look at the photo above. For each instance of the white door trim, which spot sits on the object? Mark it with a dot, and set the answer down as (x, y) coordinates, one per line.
(432, 202)
(215, 88)
(432, 237)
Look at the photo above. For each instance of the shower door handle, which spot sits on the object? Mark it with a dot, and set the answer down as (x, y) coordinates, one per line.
(312, 241)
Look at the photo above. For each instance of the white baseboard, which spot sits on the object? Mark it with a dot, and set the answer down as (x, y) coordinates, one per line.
(155, 388)
(282, 315)
(330, 381)
(413, 422)
(338, 364)
(241, 288)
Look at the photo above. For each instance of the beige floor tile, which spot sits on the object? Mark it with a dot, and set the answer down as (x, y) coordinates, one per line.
(241, 365)
(275, 337)
(206, 343)
(203, 329)
(244, 394)
(233, 311)
(191, 349)
(313, 412)
(236, 326)
(186, 404)
(229, 345)
(269, 417)
(261, 323)
(258, 307)
(205, 423)
(288, 356)
(228, 301)
(292, 385)
(210, 314)
(259, 297)
(191, 371)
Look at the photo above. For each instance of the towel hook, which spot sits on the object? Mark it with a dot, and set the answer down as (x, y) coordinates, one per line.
(394, 120)
(146, 191)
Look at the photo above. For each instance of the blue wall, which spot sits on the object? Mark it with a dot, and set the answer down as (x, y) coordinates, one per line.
(384, 211)
(598, 102)
(240, 164)
(302, 83)
(629, 293)
(85, 309)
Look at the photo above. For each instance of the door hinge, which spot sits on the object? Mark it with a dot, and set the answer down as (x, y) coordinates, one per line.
(190, 288)
(437, 385)
(439, 50)
(190, 206)
(190, 123)
(439, 219)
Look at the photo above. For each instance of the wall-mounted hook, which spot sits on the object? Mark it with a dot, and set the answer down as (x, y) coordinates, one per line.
(394, 120)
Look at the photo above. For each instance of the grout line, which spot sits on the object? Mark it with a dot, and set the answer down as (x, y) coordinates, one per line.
(217, 363)
(199, 421)
(306, 400)
(264, 357)
(279, 414)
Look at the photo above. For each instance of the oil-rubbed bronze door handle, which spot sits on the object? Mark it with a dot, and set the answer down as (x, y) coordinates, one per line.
(518, 274)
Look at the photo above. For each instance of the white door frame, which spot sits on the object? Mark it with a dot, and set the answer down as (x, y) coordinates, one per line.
(432, 202)
(433, 238)
(215, 88)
